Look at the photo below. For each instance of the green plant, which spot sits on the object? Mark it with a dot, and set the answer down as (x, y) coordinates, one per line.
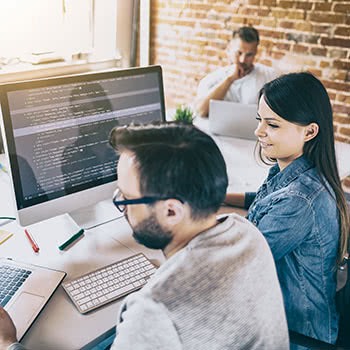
(184, 114)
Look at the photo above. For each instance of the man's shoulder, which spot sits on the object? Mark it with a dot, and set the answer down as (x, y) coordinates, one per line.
(266, 71)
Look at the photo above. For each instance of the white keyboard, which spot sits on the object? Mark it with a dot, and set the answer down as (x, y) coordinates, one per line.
(99, 287)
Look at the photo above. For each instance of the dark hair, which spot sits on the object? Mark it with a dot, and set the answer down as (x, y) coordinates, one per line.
(301, 98)
(247, 34)
(178, 161)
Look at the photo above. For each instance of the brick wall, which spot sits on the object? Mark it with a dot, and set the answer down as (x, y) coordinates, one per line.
(189, 37)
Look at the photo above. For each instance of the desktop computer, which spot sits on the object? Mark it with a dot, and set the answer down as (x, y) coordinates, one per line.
(56, 132)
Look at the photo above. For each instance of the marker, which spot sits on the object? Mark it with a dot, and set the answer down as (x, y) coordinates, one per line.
(71, 240)
(32, 242)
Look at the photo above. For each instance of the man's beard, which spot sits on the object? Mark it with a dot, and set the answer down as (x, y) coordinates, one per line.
(150, 234)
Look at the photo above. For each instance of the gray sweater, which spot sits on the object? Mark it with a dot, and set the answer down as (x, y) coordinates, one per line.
(219, 292)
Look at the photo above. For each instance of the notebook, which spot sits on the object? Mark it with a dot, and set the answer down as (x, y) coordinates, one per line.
(25, 290)
(233, 119)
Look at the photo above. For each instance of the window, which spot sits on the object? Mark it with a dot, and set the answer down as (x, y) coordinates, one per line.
(65, 28)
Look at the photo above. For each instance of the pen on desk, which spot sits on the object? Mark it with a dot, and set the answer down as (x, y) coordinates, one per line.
(71, 240)
(32, 242)
(2, 167)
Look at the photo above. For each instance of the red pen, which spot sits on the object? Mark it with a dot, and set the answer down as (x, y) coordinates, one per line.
(32, 242)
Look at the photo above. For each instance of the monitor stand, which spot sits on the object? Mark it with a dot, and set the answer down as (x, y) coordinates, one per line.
(65, 226)
(96, 215)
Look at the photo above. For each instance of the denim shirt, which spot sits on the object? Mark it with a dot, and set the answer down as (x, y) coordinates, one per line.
(299, 219)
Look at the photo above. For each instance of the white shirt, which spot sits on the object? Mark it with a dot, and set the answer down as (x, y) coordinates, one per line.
(244, 90)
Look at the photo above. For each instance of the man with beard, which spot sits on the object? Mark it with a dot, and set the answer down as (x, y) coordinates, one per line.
(240, 81)
(218, 288)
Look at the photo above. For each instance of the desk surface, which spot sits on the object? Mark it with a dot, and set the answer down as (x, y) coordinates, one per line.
(60, 325)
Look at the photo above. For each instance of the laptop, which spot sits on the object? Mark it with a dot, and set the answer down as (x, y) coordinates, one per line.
(233, 119)
(24, 291)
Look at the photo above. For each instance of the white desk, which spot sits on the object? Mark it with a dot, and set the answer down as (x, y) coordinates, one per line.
(60, 325)
(247, 173)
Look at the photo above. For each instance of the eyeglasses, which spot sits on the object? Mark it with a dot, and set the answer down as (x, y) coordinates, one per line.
(121, 203)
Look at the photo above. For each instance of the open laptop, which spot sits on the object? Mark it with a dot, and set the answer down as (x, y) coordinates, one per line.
(29, 288)
(232, 119)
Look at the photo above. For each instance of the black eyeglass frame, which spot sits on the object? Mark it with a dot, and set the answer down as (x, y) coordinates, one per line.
(142, 200)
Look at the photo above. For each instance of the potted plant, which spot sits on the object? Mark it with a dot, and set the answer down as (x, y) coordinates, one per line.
(184, 114)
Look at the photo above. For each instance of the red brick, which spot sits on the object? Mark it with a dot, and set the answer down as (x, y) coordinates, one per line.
(300, 48)
(287, 24)
(326, 17)
(343, 98)
(344, 31)
(269, 3)
(223, 9)
(238, 19)
(341, 120)
(337, 53)
(255, 22)
(277, 13)
(250, 11)
(270, 34)
(316, 72)
(303, 5)
(286, 4)
(343, 8)
(341, 65)
(344, 131)
(211, 25)
(324, 64)
(342, 139)
(335, 42)
(176, 22)
(322, 6)
(318, 51)
(322, 29)
(283, 46)
(304, 26)
(296, 14)
(342, 109)
(254, 2)
(196, 6)
(337, 86)
(267, 44)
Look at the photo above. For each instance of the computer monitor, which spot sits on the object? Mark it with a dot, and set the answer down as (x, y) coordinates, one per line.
(56, 135)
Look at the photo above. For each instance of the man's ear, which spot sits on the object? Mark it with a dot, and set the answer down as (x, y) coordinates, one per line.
(311, 131)
(171, 212)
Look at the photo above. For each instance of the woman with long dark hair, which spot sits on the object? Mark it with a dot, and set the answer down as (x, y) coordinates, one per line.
(301, 208)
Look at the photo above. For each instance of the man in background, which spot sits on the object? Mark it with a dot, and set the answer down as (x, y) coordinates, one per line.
(241, 80)
(218, 288)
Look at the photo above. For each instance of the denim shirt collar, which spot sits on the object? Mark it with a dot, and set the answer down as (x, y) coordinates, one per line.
(278, 179)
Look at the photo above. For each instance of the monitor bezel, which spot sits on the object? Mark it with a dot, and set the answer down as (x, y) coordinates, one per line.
(73, 201)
